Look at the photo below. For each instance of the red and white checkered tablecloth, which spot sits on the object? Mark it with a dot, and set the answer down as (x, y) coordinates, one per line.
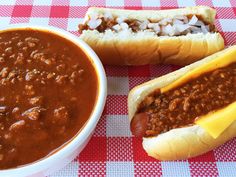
(112, 151)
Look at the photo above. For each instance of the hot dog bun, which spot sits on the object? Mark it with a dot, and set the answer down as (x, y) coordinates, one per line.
(144, 47)
(179, 143)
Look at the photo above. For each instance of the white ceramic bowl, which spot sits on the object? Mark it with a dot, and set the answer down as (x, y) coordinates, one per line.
(66, 154)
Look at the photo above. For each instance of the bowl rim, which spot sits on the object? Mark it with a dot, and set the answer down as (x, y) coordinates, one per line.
(45, 162)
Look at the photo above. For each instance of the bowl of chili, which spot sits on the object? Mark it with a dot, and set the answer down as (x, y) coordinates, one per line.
(53, 91)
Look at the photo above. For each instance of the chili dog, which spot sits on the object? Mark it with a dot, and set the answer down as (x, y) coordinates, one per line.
(187, 112)
(139, 37)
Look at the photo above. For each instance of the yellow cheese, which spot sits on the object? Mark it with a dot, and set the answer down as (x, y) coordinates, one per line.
(214, 123)
(221, 61)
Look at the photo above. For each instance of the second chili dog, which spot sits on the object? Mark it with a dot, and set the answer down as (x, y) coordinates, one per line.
(166, 111)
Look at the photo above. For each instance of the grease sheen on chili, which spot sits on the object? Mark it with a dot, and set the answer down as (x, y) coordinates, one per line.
(181, 106)
(48, 91)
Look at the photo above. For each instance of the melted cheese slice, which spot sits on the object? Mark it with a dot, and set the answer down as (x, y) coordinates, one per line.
(219, 62)
(214, 123)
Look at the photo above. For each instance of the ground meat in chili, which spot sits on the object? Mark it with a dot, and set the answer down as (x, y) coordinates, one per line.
(180, 107)
(48, 90)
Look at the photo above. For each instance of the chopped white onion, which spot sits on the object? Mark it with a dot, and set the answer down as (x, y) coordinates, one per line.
(176, 21)
(195, 29)
(143, 25)
(117, 27)
(168, 30)
(181, 27)
(150, 25)
(199, 23)
(157, 28)
(93, 24)
(124, 25)
(204, 29)
(193, 20)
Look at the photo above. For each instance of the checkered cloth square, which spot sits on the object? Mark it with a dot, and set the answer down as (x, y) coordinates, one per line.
(112, 151)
